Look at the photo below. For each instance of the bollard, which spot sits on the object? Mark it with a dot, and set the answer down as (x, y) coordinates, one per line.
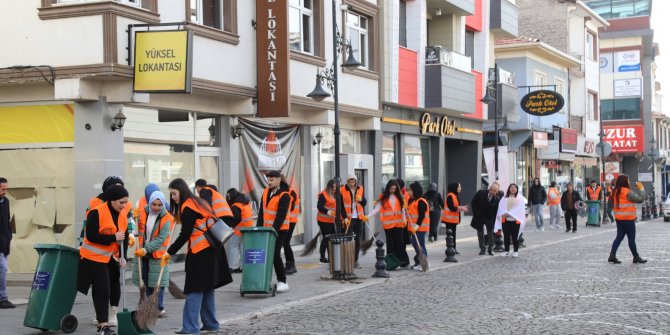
(380, 265)
(450, 252)
(499, 243)
(654, 209)
(521, 239)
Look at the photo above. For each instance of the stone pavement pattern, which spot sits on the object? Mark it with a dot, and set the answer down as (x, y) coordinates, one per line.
(561, 284)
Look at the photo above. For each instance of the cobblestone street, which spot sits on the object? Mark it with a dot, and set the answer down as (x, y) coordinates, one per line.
(560, 288)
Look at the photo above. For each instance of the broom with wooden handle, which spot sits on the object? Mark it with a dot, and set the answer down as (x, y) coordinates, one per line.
(143, 288)
(366, 245)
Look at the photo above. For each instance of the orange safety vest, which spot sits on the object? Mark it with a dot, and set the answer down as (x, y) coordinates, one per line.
(413, 212)
(449, 216)
(349, 203)
(270, 210)
(141, 228)
(593, 195)
(554, 202)
(219, 204)
(246, 219)
(197, 241)
(93, 203)
(141, 209)
(391, 215)
(295, 212)
(624, 209)
(99, 252)
(330, 205)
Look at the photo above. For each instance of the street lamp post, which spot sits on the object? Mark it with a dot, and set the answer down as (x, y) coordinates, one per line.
(654, 154)
(491, 97)
(601, 146)
(329, 76)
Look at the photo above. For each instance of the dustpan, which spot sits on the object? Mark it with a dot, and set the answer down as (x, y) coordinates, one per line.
(126, 318)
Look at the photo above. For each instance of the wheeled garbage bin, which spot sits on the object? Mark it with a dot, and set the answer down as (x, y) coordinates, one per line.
(593, 213)
(54, 289)
(258, 252)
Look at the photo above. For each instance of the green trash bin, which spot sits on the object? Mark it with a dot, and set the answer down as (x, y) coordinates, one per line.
(54, 289)
(258, 258)
(593, 213)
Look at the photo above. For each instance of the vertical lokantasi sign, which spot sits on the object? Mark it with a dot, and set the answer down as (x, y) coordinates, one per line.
(264, 148)
(272, 58)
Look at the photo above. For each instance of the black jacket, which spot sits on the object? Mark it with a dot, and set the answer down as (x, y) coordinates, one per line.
(434, 200)
(538, 195)
(237, 213)
(564, 200)
(5, 228)
(284, 206)
(484, 211)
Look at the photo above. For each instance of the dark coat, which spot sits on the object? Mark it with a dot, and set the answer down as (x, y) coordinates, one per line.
(484, 211)
(538, 195)
(5, 228)
(206, 270)
(564, 200)
(434, 200)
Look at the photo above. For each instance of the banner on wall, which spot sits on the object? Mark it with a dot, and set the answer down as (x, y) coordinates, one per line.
(503, 166)
(265, 147)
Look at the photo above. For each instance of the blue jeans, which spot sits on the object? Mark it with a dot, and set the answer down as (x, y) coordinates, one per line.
(422, 241)
(199, 305)
(537, 213)
(4, 268)
(625, 228)
(150, 286)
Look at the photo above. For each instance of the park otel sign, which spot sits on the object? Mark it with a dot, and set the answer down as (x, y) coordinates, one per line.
(625, 139)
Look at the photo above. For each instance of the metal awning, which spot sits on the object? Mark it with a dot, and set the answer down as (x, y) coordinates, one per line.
(519, 138)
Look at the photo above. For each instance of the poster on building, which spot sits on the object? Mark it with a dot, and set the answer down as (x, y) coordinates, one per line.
(606, 62)
(628, 87)
(263, 148)
(569, 139)
(503, 166)
(625, 138)
(163, 61)
(272, 58)
(628, 61)
(540, 140)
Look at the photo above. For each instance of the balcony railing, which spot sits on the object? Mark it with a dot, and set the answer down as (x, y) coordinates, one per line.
(442, 56)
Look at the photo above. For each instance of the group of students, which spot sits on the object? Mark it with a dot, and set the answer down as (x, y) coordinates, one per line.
(110, 229)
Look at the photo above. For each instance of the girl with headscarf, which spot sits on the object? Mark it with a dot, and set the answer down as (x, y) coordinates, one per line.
(390, 207)
(435, 203)
(451, 214)
(418, 221)
(511, 218)
(154, 228)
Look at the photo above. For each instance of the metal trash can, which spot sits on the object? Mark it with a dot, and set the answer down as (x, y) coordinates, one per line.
(258, 253)
(54, 289)
(342, 256)
(593, 213)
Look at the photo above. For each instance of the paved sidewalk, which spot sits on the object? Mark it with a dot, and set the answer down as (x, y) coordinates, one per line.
(306, 286)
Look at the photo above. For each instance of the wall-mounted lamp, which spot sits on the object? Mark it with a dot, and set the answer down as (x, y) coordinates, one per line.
(212, 130)
(119, 121)
(317, 139)
(438, 11)
(236, 130)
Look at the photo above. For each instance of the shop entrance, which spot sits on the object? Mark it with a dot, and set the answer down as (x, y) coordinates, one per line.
(207, 166)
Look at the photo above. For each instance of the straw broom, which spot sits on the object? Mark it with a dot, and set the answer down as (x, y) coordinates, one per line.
(309, 248)
(147, 311)
(368, 244)
(423, 261)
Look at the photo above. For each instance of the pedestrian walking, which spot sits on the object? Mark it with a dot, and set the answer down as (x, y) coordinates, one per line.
(624, 199)
(419, 222)
(242, 218)
(436, 204)
(274, 212)
(569, 199)
(215, 199)
(511, 218)
(106, 232)
(325, 216)
(294, 214)
(554, 203)
(353, 198)
(484, 209)
(390, 207)
(538, 196)
(5, 241)
(206, 266)
(451, 214)
(153, 240)
(607, 202)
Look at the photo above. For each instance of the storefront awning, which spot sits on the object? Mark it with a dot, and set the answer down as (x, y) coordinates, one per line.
(519, 138)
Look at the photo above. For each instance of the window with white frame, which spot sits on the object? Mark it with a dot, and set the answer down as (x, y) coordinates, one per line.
(540, 79)
(134, 3)
(357, 30)
(593, 106)
(301, 25)
(560, 88)
(591, 45)
(211, 13)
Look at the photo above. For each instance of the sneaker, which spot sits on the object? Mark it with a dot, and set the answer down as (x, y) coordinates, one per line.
(282, 287)
(504, 253)
(574, 231)
(106, 331)
(6, 305)
(515, 254)
(541, 228)
(537, 230)
(237, 270)
(112, 316)
(323, 260)
(162, 314)
(203, 330)
(95, 321)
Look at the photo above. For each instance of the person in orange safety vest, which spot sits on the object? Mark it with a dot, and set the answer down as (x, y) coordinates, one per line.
(624, 199)
(242, 218)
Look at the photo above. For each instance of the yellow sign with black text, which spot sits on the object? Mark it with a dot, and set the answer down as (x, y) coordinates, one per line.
(163, 61)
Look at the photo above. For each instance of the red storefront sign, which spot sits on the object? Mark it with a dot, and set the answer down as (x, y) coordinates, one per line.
(625, 138)
(569, 140)
(540, 140)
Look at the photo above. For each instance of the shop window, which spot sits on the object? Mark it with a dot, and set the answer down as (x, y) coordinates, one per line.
(417, 160)
(389, 150)
(350, 141)
(620, 109)
(357, 29)
(212, 13)
(301, 25)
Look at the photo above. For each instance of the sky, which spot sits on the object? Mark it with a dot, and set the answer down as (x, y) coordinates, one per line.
(661, 28)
